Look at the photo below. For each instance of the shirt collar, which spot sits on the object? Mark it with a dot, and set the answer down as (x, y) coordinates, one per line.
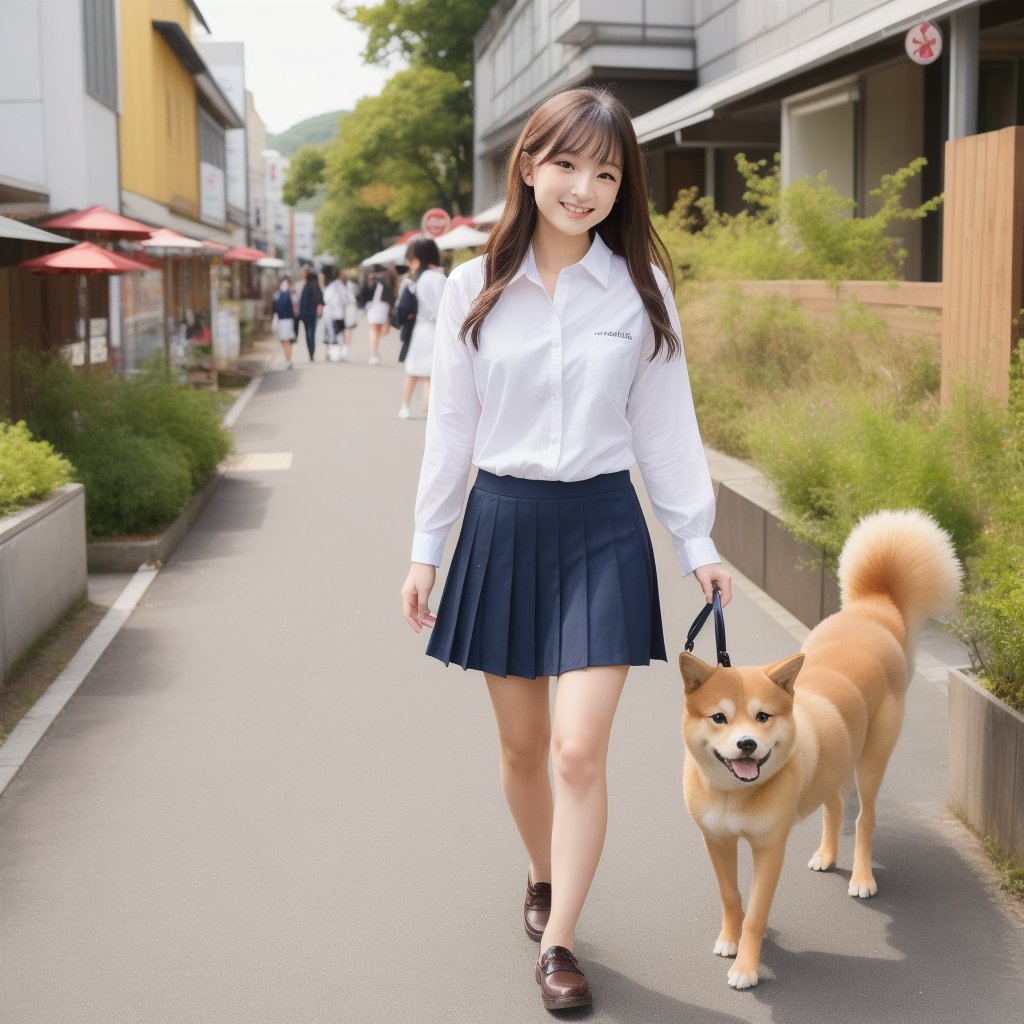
(597, 262)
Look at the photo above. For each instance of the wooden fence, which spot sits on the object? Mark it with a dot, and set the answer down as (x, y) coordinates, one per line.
(982, 258)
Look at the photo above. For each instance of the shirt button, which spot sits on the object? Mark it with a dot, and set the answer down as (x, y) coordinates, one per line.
(554, 439)
(555, 343)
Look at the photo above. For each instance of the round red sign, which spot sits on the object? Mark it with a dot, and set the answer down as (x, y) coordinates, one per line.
(435, 222)
(924, 43)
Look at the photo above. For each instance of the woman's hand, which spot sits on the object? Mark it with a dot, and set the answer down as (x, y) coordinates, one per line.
(714, 577)
(416, 593)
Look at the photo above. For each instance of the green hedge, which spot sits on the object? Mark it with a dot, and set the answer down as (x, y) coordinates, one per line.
(140, 446)
(29, 469)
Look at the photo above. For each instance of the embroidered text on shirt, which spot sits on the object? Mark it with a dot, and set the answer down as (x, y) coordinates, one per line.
(615, 334)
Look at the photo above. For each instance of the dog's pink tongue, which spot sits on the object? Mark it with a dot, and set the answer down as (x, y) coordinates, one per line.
(746, 769)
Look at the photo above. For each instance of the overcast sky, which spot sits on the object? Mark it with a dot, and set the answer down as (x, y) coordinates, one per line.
(301, 56)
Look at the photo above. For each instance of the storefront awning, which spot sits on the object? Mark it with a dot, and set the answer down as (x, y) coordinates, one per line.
(888, 19)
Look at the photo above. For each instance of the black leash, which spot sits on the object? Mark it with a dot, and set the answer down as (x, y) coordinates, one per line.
(716, 607)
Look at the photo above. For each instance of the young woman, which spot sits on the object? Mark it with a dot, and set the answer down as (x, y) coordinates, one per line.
(378, 295)
(558, 365)
(284, 310)
(424, 260)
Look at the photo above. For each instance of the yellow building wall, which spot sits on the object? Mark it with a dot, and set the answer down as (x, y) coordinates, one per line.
(160, 117)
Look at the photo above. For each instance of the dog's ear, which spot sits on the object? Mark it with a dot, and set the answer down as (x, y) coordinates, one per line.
(784, 673)
(694, 671)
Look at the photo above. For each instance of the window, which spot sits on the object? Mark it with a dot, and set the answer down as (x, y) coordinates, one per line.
(212, 149)
(100, 50)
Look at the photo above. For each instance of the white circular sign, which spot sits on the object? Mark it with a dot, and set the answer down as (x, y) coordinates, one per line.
(924, 43)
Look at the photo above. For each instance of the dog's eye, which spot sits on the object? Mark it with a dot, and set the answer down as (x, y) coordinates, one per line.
(763, 716)
(718, 718)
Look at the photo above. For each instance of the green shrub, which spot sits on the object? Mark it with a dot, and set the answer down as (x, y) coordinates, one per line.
(140, 446)
(991, 618)
(29, 469)
(838, 457)
(805, 230)
(156, 405)
(133, 484)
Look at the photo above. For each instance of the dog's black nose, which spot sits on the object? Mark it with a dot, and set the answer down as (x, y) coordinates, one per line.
(748, 745)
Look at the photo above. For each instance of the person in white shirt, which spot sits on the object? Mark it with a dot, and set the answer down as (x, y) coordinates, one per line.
(558, 365)
(428, 281)
(335, 298)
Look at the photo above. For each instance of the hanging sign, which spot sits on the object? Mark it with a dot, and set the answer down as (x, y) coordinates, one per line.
(924, 43)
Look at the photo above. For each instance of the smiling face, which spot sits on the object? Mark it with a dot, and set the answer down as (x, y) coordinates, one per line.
(574, 192)
(739, 722)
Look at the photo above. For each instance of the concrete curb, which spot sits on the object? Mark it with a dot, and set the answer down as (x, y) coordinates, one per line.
(30, 730)
(32, 727)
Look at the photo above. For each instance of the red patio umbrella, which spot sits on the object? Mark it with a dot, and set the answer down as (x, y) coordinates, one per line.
(84, 260)
(98, 220)
(243, 254)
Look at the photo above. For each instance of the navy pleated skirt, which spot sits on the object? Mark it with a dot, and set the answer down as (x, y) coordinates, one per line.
(548, 577)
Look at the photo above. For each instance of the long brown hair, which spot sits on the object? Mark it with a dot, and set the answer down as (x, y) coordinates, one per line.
(595, 123)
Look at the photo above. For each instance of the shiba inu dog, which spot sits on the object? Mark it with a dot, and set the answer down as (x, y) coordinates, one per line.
(768, 745)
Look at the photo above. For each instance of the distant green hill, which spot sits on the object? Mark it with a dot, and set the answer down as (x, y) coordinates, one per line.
(313, 130)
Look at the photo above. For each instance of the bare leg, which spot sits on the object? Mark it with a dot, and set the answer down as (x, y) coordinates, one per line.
(287, 352)
(426, 392)
(585, 704)
(375, 330)
(347, 346)
(521, 710)
(408, 389)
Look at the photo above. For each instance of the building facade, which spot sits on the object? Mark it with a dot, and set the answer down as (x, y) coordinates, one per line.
(827, 84)
(174, 123)
(528, 49)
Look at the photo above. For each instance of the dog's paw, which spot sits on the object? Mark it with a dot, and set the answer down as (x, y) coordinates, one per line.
(863, 890)
(821, 862)
(742, 979)
(723, 948)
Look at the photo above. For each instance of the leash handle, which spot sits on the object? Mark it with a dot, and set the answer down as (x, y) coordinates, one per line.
(698, 623)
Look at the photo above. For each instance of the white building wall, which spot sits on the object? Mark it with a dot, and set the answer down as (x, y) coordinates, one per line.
(275, 167)
(66, 141)
(21, 97)
(738, 33)
(256, 140)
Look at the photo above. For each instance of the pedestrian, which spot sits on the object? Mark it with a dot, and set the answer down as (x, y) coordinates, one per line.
(284, 317)
(428, 280)
(378, 295)
(558, 364)
(335, 299)
(311, 306)
(351, 311)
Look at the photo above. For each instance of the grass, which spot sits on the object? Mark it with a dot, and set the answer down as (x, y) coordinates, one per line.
(1010, 870)
(33, 672)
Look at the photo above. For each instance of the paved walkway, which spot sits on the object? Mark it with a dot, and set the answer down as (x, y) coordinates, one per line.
(265, 806)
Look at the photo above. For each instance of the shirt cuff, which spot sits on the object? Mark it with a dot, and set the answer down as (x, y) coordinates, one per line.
(428, 548)
(692, 554)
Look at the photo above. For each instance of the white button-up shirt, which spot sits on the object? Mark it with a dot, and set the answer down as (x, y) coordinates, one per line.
(562, 389)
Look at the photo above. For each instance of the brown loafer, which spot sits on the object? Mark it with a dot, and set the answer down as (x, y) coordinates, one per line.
(562, 984)
(536, 908)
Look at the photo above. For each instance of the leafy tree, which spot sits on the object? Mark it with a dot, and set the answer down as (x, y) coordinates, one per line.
(305, 175)
(400, 153)
(435, 33)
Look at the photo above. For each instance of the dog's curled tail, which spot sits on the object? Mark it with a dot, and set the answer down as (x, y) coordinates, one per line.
(905, 555)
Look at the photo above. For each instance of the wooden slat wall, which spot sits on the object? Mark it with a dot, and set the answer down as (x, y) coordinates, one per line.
(983, 258)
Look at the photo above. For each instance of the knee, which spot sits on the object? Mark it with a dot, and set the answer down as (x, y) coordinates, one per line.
(578, 763)
(523, 757)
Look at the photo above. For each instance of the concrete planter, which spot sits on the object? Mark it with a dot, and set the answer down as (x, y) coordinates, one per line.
(986, 763)
(42, 569)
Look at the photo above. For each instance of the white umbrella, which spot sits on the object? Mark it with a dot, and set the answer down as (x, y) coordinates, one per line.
(462, 237)
(270, 261)
(490, 216)
(387, 257)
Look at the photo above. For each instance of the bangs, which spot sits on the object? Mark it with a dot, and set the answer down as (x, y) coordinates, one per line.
(591, 131)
